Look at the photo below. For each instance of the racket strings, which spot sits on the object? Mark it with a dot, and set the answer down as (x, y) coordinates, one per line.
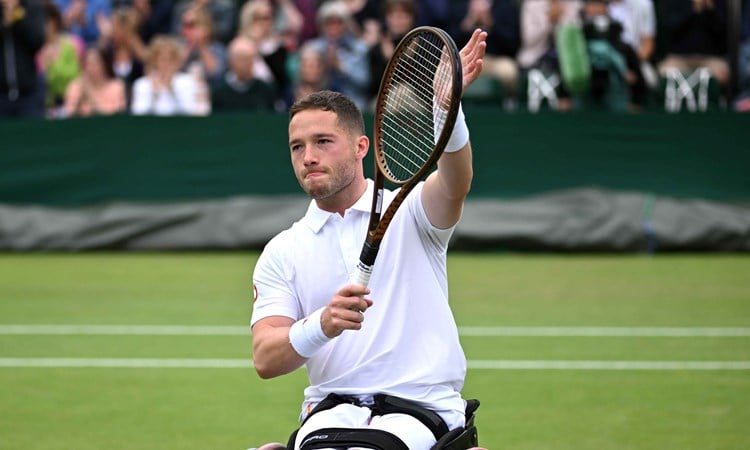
(411, 124)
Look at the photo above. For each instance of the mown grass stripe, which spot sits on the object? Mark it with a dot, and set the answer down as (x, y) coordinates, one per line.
(147, 363)
(606, 331)
(222, 330)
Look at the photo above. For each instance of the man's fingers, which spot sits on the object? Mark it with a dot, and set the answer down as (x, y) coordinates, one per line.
(346, 319)
(346, 310)
(471, 47)
(472, 56)
(353, 290)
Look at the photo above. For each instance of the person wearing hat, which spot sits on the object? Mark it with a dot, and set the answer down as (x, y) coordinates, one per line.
(344, 52)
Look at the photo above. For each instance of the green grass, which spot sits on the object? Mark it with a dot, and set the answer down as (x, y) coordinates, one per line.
(179, 408)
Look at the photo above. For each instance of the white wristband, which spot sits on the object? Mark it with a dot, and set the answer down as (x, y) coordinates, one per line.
(306, 335)
(460, 135)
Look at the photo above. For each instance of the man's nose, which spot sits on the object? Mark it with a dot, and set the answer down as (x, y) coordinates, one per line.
(310, 155)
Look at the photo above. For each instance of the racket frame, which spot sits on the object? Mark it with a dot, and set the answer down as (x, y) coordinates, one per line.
(378, 223)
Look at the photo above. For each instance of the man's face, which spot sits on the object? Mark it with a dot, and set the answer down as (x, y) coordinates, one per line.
(192, 30)
(324, 156)
(242, 59)
(597, 8)
(311, 67)
(334, 27)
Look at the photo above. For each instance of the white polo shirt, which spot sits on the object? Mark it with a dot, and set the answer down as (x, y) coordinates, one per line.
(408, 345)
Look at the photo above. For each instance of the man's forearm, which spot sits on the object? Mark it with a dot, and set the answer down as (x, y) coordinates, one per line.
(273, 354)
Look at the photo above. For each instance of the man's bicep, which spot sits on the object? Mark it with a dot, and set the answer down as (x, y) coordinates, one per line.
(274, 293)
(442, 206)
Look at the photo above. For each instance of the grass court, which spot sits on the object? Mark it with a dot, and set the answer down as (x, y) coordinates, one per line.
(566, 352)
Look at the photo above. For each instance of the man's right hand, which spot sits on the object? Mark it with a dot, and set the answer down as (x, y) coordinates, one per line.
(345, 311)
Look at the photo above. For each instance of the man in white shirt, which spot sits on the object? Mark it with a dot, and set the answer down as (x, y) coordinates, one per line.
(396, 338)
(638, 19)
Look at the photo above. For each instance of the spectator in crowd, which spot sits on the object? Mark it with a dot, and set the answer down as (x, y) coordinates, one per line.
(257, 22)
(311, 72)
(96, 91)
(85, 18)
(539, 21)
(743, 65)
(238, 89)
(308, 10)
(500, 19)
(345, 54)
(696, 36)
(124, 48)
(400, 17)
(366, 19)
(164, 90)
(59, 59)
(154, 16)
(288, 22)
(21, 37)
(436, 13)
(223, 14)
(205, 55)
(638, 19)
(616, 80)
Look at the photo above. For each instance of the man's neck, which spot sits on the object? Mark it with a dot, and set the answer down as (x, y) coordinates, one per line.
(345, 199)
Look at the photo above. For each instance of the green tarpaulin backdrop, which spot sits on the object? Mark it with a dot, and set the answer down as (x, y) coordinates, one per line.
(581, 181)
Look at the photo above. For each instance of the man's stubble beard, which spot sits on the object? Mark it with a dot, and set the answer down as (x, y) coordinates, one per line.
(340, 178)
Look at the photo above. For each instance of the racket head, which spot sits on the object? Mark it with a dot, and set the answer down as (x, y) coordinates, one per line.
(417, 105)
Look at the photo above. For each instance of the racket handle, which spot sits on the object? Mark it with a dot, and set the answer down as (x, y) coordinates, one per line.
(361, 275)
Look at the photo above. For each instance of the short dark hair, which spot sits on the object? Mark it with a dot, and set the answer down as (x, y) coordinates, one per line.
(53, 14)
(349, 115)
(106, 58)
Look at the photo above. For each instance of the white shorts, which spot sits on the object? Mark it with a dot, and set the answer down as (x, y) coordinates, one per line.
(415, 435)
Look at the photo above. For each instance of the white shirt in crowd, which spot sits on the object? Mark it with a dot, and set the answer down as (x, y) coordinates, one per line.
(638, 20)
(182, 98)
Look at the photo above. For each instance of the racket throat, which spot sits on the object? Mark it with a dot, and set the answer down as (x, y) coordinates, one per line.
(368, 255)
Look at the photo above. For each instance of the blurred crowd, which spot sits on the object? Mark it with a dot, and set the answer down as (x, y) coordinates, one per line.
(72, 58)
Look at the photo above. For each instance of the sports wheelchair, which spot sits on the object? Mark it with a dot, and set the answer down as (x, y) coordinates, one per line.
(456, 439)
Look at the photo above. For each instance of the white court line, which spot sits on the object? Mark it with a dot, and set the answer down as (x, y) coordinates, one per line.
(137, 363)
(135, 330)
(143, 363)
(203, 330)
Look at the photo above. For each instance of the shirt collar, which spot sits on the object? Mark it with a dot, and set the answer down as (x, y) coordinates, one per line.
(315, 217)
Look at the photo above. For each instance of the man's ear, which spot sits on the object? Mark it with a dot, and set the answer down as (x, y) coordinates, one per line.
(363, 145)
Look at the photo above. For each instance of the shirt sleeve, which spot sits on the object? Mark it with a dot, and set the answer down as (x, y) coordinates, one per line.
(437, 237)
(272, 285)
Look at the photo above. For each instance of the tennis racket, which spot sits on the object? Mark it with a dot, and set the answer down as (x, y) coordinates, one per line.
(416, 109)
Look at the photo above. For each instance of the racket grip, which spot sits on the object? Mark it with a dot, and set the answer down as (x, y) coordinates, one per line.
(361, 275)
